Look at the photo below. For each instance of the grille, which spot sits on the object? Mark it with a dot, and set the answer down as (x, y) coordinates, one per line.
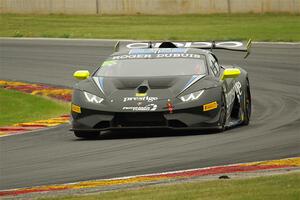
(177, 124)
(139, 120)
(103, 124)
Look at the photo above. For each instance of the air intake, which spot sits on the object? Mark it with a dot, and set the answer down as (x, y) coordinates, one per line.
(167, 45)
(142, 89)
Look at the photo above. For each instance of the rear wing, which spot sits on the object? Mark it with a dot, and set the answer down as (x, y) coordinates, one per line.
(229, 45)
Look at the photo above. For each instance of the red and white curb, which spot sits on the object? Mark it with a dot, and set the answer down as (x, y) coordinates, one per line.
(291, 163)
(35, 89)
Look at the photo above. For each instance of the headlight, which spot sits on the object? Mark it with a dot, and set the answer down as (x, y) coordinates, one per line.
(92, 98)
(192, 97)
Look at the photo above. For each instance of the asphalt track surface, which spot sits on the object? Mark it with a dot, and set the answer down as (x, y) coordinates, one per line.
(56, 156)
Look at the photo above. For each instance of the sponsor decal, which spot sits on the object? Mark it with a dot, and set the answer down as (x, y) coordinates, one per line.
(139, 98)
(192, 96)
(178, 55)
(236, 89)
(210, 106)
(149, 107)
(165, 55)
(92, 98)
(132, 56)
(229, 44)
(157, 51)
(75, 108)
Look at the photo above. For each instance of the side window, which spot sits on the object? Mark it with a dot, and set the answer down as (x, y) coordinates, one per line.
(215, 68)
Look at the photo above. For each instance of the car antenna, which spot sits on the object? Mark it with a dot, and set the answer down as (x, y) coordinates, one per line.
(248, 47)
(213, 45)
(117, 46)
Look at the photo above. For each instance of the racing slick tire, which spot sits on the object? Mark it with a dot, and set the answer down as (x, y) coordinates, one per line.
(86, 135)
(223, 114)
(247, 106)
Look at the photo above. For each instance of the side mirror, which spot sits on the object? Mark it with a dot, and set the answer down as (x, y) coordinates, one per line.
(230, 73)
(81, 74)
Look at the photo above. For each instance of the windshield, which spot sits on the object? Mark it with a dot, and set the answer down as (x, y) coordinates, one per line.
(152, 67)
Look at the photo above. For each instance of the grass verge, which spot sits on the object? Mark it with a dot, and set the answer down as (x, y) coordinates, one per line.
(17, 107)
(259, 27)
(274, 187)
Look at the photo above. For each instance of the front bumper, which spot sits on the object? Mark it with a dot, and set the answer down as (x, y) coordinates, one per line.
(191, 118)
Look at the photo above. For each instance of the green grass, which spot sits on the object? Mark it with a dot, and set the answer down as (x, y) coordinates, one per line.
(269, 187)
(16, 107)
(259, 27)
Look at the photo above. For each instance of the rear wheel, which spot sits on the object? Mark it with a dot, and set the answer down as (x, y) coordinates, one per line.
(247, 106)
(86, 135)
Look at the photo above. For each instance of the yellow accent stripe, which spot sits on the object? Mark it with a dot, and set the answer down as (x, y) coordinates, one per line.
(48, 122)
(75, 108)
(12, 83)
(47, 92)
(210, 106)
(2, 134)
(289, 161)
(92, 184)
(140, 94)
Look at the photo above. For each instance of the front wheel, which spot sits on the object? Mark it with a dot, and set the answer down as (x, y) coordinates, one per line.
(247, 106)
(223, 114)
(86, 135)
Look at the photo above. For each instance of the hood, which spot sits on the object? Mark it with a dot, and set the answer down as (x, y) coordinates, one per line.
(162, 87)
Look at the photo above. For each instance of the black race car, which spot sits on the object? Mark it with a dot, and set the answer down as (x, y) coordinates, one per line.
(162, 85)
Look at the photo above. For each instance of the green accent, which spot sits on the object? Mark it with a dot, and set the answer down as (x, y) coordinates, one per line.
(108, 63)
(259, 27)
(275, 187)
(17, 107)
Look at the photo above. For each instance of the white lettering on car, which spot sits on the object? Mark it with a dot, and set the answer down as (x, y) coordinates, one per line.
(131, 56)
(147, 98)
(166, 55)
(137, 45)
(149, 107)
(236, 89)
(229, 44)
